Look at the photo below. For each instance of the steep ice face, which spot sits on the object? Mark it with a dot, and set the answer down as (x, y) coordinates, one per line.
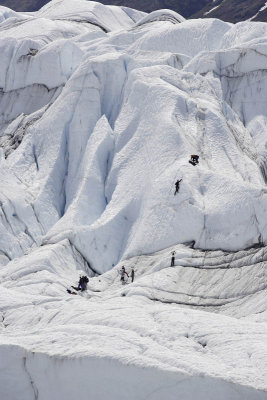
(144, 85)
(242, 74)
(160, 154)
(100, 110)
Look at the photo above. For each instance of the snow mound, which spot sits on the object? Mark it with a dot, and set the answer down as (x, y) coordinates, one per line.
(108, 18)
(161, 15)
(101, 108)
(6, 13)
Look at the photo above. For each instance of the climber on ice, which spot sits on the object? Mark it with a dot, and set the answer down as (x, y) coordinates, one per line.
(177, 186)
(132, 274)
(123, 273)
(194, 159)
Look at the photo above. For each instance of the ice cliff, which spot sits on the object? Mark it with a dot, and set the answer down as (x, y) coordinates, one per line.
(100, 110)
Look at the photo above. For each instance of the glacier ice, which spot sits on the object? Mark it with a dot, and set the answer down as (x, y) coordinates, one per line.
(100, 110)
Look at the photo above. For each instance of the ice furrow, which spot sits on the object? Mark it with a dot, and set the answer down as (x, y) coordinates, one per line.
(34, 388)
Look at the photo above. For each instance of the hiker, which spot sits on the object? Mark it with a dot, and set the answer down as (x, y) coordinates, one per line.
(194, 159)
(123, 272)
(177, 186)
(82, 285)
(173, 259)
(132, 274)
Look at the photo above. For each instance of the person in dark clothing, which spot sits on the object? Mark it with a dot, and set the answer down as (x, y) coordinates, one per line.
(194, 159)
(173, 259)
(82, 285)
(132, 274)
(177, 186)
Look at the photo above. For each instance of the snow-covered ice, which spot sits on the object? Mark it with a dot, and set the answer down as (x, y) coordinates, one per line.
(100, 110)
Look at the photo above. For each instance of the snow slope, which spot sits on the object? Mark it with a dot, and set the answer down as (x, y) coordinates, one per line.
(100, 110)
(114, 341)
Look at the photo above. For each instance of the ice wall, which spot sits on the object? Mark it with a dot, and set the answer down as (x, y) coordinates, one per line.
(105, 379)
(156, 92)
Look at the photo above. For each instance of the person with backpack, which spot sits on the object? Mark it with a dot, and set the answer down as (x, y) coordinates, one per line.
(194, 159)
(82, 285)
(177, 186)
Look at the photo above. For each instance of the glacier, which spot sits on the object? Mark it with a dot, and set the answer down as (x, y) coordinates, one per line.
(100, 110)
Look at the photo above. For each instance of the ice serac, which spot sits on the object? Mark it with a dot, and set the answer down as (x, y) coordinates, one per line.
(100, 110)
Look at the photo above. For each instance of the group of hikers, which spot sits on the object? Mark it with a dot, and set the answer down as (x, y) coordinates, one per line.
(83, 281)
(123, 273)
(194, 161)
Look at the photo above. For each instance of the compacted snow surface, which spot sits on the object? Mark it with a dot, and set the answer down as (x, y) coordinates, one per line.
(100, 110)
